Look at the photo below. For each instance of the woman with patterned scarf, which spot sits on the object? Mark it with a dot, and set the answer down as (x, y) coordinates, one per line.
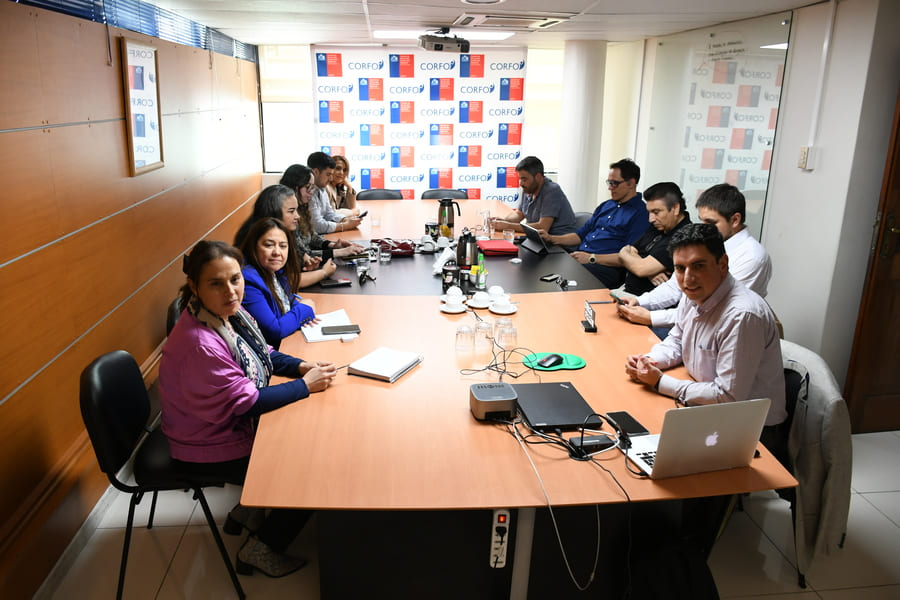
(214, 380)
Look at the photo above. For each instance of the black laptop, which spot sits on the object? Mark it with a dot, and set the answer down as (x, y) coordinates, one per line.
(536, 244)
(552, 406)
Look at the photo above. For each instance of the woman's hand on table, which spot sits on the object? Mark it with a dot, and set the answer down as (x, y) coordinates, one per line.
(328, 267)
(317, 375)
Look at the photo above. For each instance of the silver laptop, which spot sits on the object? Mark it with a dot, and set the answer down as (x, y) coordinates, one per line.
(534, 242)
(697, 439)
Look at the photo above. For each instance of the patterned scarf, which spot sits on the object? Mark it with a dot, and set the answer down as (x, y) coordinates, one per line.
(244, 339)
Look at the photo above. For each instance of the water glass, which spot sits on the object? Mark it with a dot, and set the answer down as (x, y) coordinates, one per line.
(362, 265)
(375, 253)
(486, 225)
(509, 235)
(507, 337)
(484, 335)
(385, 256)
(465, 338)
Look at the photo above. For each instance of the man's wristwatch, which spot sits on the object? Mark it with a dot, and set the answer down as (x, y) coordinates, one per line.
(592, 259)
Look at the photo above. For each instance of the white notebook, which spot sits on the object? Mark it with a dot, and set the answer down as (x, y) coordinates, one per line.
(385, 364)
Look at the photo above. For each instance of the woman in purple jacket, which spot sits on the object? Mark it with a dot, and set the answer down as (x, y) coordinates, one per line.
(214, 380)
(272, 279)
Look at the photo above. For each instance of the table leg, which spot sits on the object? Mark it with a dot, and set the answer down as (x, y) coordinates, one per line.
(518, 589)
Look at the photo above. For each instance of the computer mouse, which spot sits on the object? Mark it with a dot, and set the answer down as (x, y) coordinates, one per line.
(551, 360)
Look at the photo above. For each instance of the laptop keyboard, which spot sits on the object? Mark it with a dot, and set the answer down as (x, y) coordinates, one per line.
(647, 457)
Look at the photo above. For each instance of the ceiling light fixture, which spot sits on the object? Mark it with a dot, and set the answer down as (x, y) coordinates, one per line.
(481, 2)
(781, 46)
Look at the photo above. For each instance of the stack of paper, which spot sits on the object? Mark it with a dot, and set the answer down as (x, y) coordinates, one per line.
(384, 364)
(338, 317)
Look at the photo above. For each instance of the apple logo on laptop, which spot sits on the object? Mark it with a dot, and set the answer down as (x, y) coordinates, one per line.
(712, 439)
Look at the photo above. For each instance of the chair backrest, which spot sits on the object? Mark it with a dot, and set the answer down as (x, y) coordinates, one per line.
(379, 194)
(437, 194)
(115, 408)
(581, 218)
(173, 312)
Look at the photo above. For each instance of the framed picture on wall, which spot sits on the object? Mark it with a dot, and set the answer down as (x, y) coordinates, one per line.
(140, 80)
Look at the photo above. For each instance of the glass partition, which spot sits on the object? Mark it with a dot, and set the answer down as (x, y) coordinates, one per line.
(714, 107)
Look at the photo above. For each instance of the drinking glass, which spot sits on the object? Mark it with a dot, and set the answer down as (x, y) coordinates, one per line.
(507, 337)
(509, 235)
(486, 225)
(362, 265)
(465, 338)
(385, 256)
(484, 335)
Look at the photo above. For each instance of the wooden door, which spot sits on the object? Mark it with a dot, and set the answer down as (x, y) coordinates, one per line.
(873, 379)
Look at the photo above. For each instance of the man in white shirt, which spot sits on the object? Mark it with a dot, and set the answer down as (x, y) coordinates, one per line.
(724, 334)
(325, 219)
(724, 206)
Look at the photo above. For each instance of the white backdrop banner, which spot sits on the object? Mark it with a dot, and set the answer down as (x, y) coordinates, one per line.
(412, 120)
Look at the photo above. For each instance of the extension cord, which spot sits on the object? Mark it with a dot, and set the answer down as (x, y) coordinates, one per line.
(591, 444)
(499, 538)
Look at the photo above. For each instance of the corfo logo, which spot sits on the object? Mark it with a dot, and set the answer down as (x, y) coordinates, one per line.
(337, 135)
(716, 95)
(751, 118)
(689, 158)
(367, 112)
(365, 65)
(694, 116)
(438, 66)
(368, 156)
(476, 89)
(503, 197)
(437, 112)
(772, 96)
(476, 135)
(407, 178)
(505, 112)
(744, 160)
(750, 74)
(437, 155)
(703, 179)
(507, 66)
(701, 71)
(142, 102)
(756, 179)
(764, 139)
(407, 89)
(709, 137)
(472, 177)
(503, 155)
(335, 89)
(407, 135)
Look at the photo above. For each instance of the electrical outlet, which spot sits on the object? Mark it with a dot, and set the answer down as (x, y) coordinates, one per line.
(499, 538)
(803, 158)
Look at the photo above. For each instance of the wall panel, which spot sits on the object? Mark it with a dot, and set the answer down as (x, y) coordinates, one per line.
(91, 257)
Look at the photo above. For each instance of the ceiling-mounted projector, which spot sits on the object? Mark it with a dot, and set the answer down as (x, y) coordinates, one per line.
(437, 43)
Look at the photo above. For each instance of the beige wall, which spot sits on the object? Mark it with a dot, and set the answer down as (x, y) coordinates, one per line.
(89, 256)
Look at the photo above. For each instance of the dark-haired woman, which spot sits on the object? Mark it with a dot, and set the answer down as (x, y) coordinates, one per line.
(299, 179)
(214, 379)
(271, 281)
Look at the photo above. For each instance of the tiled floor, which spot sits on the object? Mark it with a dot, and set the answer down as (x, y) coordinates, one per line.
(753, 559)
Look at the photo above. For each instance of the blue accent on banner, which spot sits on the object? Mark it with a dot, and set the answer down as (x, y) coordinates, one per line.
(435, 135)
(365, 182)
(323, 111)
(321, 64)
(504, 88)
(363, 88)
(464, 111)
(364, 139)
(503, 134)
(434, 178)
(395, 110)
(501, 177)
(464, 62)
(395, 156)
(463, 156)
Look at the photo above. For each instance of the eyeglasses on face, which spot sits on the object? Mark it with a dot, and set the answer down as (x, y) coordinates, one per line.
(613, 183)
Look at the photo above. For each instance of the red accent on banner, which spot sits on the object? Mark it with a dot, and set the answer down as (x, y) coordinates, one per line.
(407, 111)
(338, 151)
(447, 88)
(779, 77)
(773, 118)
(731, 177)
(745, 92)
(376, 88)
(407, 65)
(737, 138)
(445, 178)
(474, 193)
(767, 160)
(376, 134)
(513, 136)
(709, 158)
(714, 116)
(516, 88)
(476, 66)
(445, 137)
(335, 111)
(333, 60)
(512, 178)
(408, 194)
(720, 72)
(476, 111)
(474, 156)
(376, 179)
(407, 156)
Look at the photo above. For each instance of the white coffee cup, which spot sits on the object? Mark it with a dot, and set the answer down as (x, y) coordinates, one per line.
(495, 291)
(428, 246)
(454, 304)
(443, 242)
(426, 239)
(502, 304)
(481, 298)
(454, 293)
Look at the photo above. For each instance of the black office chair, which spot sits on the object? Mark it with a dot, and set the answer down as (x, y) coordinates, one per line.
(379, 194)
(581, 218)
(438, 194)
(115, 408)
(172, 314)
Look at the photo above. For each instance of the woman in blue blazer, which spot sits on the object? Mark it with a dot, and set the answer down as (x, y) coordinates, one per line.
(272, 278)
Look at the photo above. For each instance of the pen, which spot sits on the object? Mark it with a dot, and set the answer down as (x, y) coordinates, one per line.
(600, 301)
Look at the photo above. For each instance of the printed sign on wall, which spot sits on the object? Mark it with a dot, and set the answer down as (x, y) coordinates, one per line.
(413, 120)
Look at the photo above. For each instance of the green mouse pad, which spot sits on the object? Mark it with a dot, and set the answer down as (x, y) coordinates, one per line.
(570, 361)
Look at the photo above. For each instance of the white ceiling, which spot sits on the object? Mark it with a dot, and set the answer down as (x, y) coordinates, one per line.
(263, 22)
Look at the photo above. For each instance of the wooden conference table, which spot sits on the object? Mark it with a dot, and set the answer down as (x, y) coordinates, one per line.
(367, 445)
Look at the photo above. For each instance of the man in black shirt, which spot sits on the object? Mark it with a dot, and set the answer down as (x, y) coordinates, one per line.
(649, 257)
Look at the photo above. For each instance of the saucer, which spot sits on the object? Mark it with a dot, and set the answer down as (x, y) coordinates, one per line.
(471, 303)
(453, 311)
(509, 310)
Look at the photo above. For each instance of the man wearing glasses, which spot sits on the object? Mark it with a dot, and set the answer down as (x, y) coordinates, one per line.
(617, 222)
